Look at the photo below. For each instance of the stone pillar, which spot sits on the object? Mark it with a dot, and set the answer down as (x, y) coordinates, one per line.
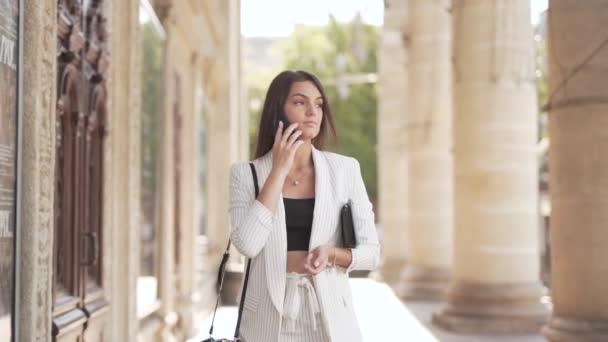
(35, 268)
(578, 127)
(188, 192)
(392, 180)
(225, 137)
(429, 156)
(495, 283)
(122, 172)
(223, 90)
(166, 248)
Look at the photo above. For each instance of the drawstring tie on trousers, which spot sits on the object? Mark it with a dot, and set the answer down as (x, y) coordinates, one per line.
(293, 302)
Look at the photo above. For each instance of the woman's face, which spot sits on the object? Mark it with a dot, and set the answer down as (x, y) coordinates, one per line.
(304, 105)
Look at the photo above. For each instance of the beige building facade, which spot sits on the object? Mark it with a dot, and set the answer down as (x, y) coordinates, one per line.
(133, 113)
(124, 213)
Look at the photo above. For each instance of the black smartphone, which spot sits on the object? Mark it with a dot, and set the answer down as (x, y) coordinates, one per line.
(281, 117)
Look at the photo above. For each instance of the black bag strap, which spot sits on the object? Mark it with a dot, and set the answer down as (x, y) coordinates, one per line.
(222, 271)
(255, 180)
(244, 292)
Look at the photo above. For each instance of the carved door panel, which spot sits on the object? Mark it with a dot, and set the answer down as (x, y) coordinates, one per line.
(80, 306)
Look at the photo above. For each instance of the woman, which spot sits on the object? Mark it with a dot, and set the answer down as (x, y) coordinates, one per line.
(298, 286)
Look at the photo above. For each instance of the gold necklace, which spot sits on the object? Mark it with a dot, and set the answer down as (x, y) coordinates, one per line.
(295, 182)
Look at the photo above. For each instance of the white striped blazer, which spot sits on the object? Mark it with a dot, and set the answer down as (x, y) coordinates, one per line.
(261, 235)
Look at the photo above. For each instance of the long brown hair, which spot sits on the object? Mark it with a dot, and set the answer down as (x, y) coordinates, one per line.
(275, 100)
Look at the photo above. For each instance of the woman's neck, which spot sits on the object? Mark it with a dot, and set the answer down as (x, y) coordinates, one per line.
(303, 157)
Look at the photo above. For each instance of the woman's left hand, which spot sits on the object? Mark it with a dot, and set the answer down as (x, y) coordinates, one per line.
(318, 258)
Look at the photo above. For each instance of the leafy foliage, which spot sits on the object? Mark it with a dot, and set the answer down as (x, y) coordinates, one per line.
(330, 52)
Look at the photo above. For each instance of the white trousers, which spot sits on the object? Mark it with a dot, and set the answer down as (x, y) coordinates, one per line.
(302, 321)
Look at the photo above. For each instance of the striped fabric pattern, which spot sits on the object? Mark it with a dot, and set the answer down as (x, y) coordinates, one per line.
(261, 235)
(302, 322)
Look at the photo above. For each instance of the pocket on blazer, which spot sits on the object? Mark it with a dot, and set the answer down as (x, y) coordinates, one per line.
(347, 297)
(251, 303)
(343, 283)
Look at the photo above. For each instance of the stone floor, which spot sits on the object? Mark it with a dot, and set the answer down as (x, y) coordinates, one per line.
(382, 317)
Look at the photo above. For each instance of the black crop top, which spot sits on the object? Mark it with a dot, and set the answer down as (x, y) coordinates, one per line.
(298, 218)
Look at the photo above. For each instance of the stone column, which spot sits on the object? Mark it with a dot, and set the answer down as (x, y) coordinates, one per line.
(188, 191)
(392, 180)
(578, 127)
(166, 179)
(37, 157)
(223, 90)
(122, 172)
(495, 283)
(429, 156)
(225, 137)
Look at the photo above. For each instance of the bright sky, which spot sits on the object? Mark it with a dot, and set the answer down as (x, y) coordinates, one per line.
(537, 6)
(271, 18)
(276, 18)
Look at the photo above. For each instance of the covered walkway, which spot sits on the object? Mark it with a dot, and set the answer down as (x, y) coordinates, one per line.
(382, 316)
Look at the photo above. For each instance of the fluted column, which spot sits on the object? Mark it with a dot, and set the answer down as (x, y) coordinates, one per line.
(392, 180)
(428, 151)
(578, 127)
(224, 121)
(495, 281)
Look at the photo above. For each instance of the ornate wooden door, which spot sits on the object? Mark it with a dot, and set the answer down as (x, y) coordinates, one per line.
(80, 306)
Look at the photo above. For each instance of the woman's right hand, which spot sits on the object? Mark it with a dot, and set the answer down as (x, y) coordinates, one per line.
(283, 153)
(285, 147)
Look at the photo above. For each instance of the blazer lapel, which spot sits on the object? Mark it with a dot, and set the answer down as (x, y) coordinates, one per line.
(324, 195)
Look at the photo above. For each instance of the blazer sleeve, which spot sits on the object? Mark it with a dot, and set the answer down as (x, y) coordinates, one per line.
(366, 255)
(251, 221)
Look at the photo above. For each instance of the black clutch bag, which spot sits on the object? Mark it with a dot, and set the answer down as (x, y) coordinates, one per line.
(349, 239)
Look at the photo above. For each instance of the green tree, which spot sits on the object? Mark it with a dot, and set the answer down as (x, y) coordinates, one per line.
(541, 80)
(262, 62)
(151, 74)
(321, 50)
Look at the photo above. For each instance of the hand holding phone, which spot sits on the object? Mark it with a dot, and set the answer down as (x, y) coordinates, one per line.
(286, 143)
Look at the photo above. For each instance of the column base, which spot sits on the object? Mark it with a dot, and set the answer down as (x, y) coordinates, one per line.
(493, 309)
(562, 329)
(423, 283)
(391, 271)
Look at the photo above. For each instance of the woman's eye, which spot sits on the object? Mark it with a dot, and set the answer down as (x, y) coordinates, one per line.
(299, 102)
